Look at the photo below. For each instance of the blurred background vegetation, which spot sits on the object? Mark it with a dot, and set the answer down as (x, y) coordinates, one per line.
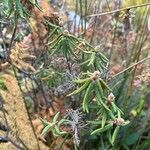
(30, 33)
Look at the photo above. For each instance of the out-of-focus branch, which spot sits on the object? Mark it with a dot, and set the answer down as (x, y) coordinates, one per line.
(134, 65)
(118, 10)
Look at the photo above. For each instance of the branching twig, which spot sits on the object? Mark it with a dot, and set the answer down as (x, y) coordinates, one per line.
(134, 65)
(118, 10)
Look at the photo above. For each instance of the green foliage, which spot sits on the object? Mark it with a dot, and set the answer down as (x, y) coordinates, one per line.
(54, 126)
(18, 8)
(105, 126)
(2, 85)
(132, 138)
(50, 77)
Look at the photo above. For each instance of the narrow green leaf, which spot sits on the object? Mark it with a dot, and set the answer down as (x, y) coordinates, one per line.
(57, 49)
(103, 57)
(2, 85)
(55, 133)
(109, 135)
(94, 122)
(111, 115)
(80, 89)
(115, 134)
(97, 131)
(45, 122)
(98, 84)
(87, 96)
(91, 59)
(63, 121)
(71, 48)
(56, 117)
(10, 7)
(46, 129)
(105, 85)
(99, 98)
(59, 132)
(98, 66)
(114, 106)
(104, 118)
(81, 81)
(19, 8)
(85, 62)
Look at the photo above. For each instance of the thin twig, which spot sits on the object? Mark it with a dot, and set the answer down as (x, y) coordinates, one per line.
(134, 65)
(118, 10)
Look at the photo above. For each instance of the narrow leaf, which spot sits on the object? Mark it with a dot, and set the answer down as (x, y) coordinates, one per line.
(80, 89)
(97, 131)
(86, 97)
(56, 117)
(115, 134)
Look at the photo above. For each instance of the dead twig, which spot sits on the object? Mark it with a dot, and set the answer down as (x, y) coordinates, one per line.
(134, 65)
(118, 10)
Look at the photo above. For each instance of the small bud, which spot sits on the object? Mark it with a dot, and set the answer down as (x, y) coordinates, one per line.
(66, 32)
(94, 99)
(83, 43)
(95, 75)
(97, 48)
(111, 97)
(119, 121)
(61, 23)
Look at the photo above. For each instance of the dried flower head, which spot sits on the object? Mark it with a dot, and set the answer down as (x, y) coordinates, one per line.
(97, 48)
(111, 98)
(66, 32)
(61, 23)
(119, 121)
(95, 75)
